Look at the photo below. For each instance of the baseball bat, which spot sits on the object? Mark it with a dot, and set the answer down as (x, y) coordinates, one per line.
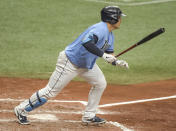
(145, 39)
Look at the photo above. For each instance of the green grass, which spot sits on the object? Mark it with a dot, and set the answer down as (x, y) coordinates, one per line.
(33, 32)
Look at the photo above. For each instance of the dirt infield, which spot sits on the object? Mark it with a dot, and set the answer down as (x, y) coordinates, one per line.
(145, 107)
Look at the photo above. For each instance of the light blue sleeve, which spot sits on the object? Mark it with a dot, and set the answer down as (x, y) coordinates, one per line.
(87, 37)
(90, 34)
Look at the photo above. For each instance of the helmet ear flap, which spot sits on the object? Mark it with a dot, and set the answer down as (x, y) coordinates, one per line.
(113, 21)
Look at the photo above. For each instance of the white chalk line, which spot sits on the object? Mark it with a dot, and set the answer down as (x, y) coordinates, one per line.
(100, 106)
(138, 101)
(60, 101)
(131, 4)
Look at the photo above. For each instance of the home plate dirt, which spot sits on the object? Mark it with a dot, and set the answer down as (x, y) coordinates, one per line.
(140, 107)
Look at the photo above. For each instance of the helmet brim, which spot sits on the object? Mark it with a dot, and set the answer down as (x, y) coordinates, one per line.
(123, 14)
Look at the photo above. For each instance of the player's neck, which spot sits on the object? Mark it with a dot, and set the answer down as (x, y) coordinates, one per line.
(110, 27)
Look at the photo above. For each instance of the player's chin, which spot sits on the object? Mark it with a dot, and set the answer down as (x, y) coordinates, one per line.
(116, 27)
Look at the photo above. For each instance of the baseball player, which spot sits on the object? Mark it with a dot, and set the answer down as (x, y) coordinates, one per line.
(79, 58)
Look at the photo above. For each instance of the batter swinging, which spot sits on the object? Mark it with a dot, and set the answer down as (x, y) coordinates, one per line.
(79, 58)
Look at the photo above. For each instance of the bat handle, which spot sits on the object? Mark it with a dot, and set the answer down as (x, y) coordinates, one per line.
(126, 50)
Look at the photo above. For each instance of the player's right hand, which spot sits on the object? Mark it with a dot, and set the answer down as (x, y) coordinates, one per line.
(108, 57)
(121, 63)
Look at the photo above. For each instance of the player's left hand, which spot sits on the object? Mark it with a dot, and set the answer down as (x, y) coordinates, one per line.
(121, 63)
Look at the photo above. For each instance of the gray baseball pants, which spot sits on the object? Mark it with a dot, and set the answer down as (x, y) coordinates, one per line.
(65, 71)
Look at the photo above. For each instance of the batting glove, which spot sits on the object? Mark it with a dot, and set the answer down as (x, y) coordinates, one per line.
(120, 63)
(109, 58)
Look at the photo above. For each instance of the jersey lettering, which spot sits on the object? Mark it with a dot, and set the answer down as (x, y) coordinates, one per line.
(105, 46)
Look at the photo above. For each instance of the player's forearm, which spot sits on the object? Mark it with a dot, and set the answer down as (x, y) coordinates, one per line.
(91, 47)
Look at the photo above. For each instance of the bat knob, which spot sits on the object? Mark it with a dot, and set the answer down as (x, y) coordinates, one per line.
(162, 29)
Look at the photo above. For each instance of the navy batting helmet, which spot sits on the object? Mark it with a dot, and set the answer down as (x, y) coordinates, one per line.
(111, 14)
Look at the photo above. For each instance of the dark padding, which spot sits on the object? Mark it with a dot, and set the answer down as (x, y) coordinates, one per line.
(91, 46)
